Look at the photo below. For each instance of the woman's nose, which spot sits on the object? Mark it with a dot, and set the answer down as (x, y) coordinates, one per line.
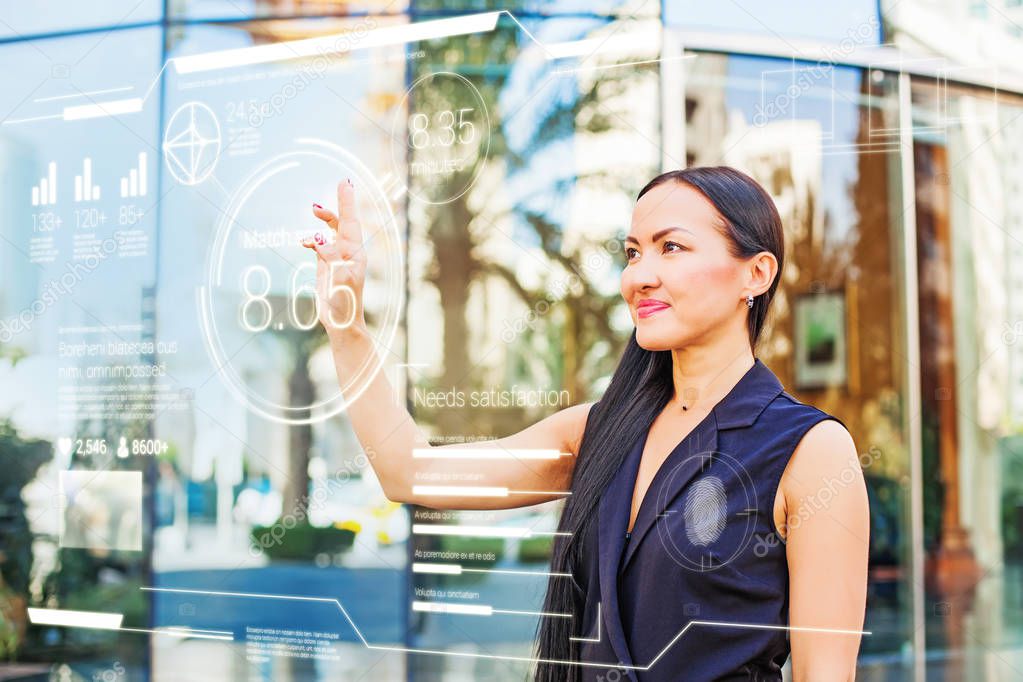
(644, 275)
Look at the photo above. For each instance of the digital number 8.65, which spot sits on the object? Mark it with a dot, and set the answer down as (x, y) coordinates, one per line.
(257, 298)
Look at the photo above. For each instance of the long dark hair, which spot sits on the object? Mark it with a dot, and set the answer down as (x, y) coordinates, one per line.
(639, 389)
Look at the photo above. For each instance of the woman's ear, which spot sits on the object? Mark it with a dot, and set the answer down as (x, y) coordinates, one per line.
(762, 269)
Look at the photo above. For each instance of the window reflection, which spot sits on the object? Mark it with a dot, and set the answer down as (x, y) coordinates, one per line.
(822, 140)
(514, 262)
(78, 259)
(270, 492)
(966, 152)
(171, 429)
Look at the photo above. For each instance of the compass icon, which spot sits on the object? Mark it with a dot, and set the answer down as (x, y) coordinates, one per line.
(191, 143)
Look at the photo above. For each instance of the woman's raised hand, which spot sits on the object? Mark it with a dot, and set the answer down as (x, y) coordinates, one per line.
(384, 426)
(340, 266)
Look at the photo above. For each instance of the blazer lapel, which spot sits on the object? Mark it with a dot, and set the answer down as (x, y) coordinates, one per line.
(738, 409)
(612, 523)
(688, 459)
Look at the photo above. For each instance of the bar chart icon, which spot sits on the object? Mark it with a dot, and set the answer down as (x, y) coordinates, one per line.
(135, 184)
(45, 193)
(84, 189)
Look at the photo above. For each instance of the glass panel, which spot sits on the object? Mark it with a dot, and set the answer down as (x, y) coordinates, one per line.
(940, 31)
(234, 10)
(77, 360)
(824, 142)
(514, 301)
(967, 147)
(632, 9)
(172, 437)
(19, 20)
(266, 491)
(846, 22)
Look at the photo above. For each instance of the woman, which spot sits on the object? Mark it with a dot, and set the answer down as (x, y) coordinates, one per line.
(714, 523)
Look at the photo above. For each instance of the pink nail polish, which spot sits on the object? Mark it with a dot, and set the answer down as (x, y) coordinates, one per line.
(319, 238)
(318, 206)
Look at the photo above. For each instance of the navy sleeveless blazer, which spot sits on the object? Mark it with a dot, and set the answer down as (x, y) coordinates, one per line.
(699, 589)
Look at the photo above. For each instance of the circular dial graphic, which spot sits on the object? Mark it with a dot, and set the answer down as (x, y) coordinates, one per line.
(442, 135)
(259, 307)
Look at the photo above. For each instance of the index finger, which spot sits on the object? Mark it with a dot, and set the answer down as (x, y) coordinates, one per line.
(349, 226)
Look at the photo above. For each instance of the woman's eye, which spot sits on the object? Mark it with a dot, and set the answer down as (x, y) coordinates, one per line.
(631, 253)
(673, 246)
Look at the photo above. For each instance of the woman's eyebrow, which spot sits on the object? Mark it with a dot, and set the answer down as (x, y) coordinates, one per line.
(660, 233)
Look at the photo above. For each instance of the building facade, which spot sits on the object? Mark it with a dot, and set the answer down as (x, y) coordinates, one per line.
(178, 446)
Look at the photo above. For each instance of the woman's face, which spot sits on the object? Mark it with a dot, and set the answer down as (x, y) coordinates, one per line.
(680, 281)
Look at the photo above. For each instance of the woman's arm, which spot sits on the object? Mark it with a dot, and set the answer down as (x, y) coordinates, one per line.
(387, 431)
(389, 435)
(826, 545)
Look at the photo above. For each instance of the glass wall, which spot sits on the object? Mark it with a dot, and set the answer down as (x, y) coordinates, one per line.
(823, 140)
(178, 464)
(514, 302)
(183, 463)
(968, 150)
(78, 259)
(268, 492)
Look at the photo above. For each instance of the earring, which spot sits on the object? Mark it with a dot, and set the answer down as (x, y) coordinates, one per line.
(749, 300)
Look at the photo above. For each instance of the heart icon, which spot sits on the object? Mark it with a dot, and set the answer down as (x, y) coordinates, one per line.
(64, 446)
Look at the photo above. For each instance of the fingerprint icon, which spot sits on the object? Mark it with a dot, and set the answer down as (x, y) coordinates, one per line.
(704, 511)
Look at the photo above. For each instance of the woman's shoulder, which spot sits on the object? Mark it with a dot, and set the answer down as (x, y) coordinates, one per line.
(787, 406)
(798, 428)
(824, 452)
(821, 443)
(569, 424)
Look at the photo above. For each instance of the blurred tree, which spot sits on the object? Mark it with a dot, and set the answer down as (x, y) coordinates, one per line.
(301, 345)
(20, 460)
(555, 352)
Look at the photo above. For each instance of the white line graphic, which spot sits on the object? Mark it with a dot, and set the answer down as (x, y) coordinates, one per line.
(84, 94)
(448, 607)
(487, 453)
(591, 639)
(529, 659)
(101, 109)
(112, 621)
(75, 619)
(313, 47)
(457, 569)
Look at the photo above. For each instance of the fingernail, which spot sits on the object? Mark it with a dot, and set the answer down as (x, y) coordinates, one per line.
(349, 181)
(319, 238)
(318, 206)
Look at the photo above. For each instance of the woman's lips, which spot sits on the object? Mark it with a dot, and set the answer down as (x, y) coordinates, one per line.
(647, 308)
